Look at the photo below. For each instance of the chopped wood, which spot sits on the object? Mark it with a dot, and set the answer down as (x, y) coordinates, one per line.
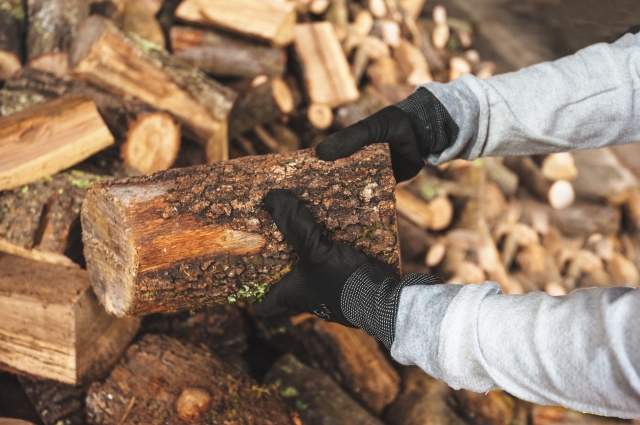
(261, 105)
(224, 55)
(434, 215)
(585, 219)
(493, 408)
(561, 194)
(269, 20)
(413, 7)
(486, 69)
(12, 21)
(458, 67)
(378, 8)
(559, 166)
(316, 397)
(286, 137)
(538, 265)
(338, 15)
(414, 241)
(497, 172)
(112, 9)
(171, 381)
(44, 139)
(106, 57)
(556, 415)
(188, 237)
(327, 77)
(423, 400)
(435, 255)
(370, 102)
(412, 63)
(320, 116)
(385, 72)
(440, 36)
(55, 402)
(139, 19)
(623, 271)
(41, 220)
(52, 27)
(70, 338)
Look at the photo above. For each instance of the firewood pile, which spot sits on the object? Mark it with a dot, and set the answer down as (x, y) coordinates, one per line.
(97, 90)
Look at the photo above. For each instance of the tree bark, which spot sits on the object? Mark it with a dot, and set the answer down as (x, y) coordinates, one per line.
(353, 358)
(11, 32)
(316, 397)
(584, 219)
(70, 337)
(268, 20)
(223, 55)
(149, 140)
(53, 25)
(56, 403)
(138, 18)
(155, 382)
(44, 139)
(106, 57)
(41, 220)
(189, 237)
(260, 105)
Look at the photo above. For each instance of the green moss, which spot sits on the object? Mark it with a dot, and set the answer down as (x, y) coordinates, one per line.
(148, 294)
(146, 45)
(367, 231)
(289, 392)
(300, 405)
(83, 180)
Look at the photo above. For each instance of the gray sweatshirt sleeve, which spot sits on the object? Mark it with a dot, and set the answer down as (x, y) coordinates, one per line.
(581, 350)
(588, 100)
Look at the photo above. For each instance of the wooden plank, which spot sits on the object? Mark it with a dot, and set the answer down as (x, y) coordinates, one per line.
(44, 139)
(52, 325)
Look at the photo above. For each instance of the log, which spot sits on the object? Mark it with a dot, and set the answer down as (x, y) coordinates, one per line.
(353, 358)
(434, 215)
(112, 9)
(41, 220)
(316, 397)
(320, 116)
(493, 408)
(370, 102)
(223, 55)
(149, 140)
(44, 139)
(69, 337)
(55, 402)
(269, 20)
(260, 105)
(412, 63)
(160, 379)
(559, 166)
(325, 71)
(423, 401)
(556, 415)
(498, 173)
(585, 219)
(127, 67)
(189, 237)
(52, 27)
(11, 37)
(139, 18)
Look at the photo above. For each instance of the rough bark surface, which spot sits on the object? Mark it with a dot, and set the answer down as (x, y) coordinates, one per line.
(56, 403)
(53, 25)
(316, 397)
(155, 373)
(132, 67)
(11, 32)
(353, 358)
(189, 237)
(222, 55)
(41, 220)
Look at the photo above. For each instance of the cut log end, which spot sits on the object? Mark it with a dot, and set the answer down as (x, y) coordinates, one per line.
(282, 95)
(152, 143)
(9, 64)
(320, 116)
(56, 63)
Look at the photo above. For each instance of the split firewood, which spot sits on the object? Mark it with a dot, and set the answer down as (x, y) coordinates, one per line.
(52, 27)
(360, 61)
(320, 116)
(414, 241)
(112, 9)
(486, 69)
(497, 172)
(106, 57)
(316, 397)
(496, 204)
(559, 166)
(353, 358)
(268, 141)
(632, 210)
(458, 67)
(585, 219)
(390, 32)
(560, 194)
(44, 139)
(435, 254)
(40, 220)
(622, 270)
(223, 55)
(385, 72)
(583, 261)
(556, 415)
(516, 236)
(318, 7)
(189, 237)
(269, 20)
(370, 102)
(149, 140)
(603, 177)
(55, 402)
(413, 7)
(493, 408)
(441, 31)
(140, 19)
(327, 77)
(160, 379)
(435, 215)
(287, 138)
(260, 105)
(378, 8)
(338, 15)
(12, 21)
(70, 338)
(538, 265)
(423, 401)
(412, 63)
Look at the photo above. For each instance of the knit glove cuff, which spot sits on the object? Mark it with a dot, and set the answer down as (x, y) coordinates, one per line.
(371, 296)
(434, 127)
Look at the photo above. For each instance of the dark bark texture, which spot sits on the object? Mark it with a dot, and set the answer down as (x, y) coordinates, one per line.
(56, 403)
(11, 36)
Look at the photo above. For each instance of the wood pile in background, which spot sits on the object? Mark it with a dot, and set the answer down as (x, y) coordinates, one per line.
(93, 90)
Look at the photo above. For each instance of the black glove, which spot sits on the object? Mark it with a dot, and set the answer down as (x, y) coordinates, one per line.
(331, 279)
(414, 128)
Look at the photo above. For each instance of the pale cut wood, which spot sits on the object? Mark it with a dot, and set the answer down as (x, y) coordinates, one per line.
(327, 77)
(413, 63)
(320, 116)
(44, 139)
(559, 166)
(52, 325)
(119, 64)
(458, 67)
(189, 237)
(139, 18)
(434, 215)
(153, 142)
(413, 7)
(270, 20)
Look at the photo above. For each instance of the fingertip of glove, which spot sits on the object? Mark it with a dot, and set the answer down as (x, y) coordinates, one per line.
(328, 149)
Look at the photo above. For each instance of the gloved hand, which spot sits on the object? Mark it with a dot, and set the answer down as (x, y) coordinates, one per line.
(414, 128)
(331, 279)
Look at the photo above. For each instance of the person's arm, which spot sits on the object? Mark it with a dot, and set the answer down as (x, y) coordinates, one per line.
(581, 350)
(587, 100)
